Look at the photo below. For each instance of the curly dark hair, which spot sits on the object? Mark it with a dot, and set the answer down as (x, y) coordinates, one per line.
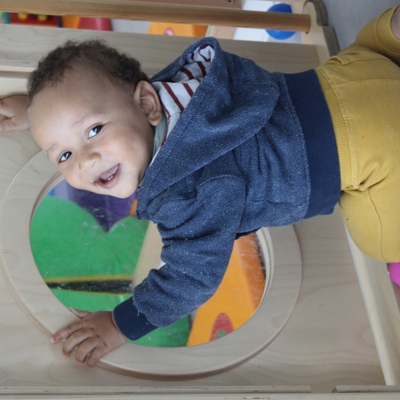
(96, 55)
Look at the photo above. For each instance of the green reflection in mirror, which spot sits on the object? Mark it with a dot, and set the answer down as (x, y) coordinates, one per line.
(90, 268)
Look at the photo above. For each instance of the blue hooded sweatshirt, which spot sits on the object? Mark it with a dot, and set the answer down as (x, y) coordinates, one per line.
(252, 149)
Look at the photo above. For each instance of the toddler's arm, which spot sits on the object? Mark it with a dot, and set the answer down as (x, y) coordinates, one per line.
(93, 336)
(13, 114)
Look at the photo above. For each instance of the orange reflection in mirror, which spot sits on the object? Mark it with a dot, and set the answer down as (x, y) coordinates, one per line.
(236, 299)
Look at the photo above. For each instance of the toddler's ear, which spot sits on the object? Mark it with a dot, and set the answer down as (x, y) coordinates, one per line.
(149, 102)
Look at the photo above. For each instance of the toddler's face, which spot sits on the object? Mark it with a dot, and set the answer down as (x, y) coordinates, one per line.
(99, 135)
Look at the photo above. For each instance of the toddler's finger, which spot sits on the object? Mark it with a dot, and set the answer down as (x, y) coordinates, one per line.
(96, 355)
(79, 313)
(57, 337)
(66, 332)
(85, 349)
(75, 340)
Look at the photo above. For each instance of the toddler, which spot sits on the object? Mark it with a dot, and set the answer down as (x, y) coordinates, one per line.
(216, 148)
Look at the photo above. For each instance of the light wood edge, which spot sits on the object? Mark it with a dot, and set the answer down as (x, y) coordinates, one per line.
(222, 393)
(30, 289)
(320, 34)
(383, 311)
(155, 390)
(366, 389)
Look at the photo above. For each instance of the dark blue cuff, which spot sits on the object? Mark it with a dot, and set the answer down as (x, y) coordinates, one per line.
(132, 323)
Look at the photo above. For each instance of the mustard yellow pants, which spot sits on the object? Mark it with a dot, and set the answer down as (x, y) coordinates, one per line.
(362, 88)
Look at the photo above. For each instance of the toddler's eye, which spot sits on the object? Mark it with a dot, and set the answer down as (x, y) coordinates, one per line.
(94, 131)
(65, 157)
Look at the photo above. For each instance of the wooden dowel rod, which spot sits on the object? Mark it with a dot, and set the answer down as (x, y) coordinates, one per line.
(135, 10)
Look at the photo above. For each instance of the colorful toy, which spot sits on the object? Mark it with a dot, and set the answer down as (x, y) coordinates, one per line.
(4, 18)
(100, 24)
(103, 24)
(33, 19)
(278, 34)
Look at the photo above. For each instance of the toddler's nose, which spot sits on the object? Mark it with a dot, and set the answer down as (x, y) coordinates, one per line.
(88, 160)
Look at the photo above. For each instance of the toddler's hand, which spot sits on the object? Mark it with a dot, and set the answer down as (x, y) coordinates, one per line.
(93, 336)
(13, 114)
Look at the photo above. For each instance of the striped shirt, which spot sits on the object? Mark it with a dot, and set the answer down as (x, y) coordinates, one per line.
(176, 95)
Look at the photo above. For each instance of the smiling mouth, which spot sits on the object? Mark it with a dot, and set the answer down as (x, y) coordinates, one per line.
(108, 178)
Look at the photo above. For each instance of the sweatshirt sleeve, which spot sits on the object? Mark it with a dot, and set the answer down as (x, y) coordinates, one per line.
(132, 323)
(198, 235)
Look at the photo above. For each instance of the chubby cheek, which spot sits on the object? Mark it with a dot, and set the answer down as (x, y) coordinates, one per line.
(126, 192)
(73, 182)
(72, 178)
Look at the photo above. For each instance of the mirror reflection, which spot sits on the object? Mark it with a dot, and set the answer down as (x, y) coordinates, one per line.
(91, 251)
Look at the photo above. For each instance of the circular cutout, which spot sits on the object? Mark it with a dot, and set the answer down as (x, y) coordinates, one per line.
(279, 248)
(93, 257)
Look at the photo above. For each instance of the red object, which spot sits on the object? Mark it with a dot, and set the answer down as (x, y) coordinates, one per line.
(222, 326)
(99, 24)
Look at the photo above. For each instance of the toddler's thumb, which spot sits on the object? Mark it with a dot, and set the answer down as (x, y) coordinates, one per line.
(79, 313)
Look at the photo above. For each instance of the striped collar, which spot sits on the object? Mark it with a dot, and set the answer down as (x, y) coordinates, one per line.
(176, 95)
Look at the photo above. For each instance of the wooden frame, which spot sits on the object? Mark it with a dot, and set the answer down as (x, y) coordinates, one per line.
(323, 344)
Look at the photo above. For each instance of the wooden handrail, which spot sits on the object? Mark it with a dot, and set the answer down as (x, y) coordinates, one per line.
(142, 11)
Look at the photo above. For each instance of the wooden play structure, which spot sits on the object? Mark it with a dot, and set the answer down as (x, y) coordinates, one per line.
(328, 326)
